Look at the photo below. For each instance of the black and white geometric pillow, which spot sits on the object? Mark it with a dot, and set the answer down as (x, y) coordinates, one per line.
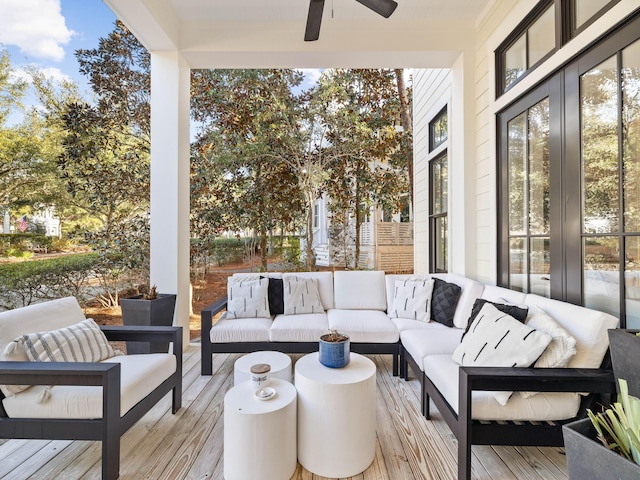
(248, 298)
(412, 299)
(444, 300)
(496, 339)
(301, 295)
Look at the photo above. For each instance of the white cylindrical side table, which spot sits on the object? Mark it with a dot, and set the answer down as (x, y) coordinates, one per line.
(260, 435)
(280, 365)
(336, 416)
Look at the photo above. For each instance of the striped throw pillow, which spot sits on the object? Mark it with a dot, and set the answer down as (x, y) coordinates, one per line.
(82, 342)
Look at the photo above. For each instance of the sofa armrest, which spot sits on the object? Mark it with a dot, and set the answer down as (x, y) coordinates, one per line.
(592, 380)
(207, 314)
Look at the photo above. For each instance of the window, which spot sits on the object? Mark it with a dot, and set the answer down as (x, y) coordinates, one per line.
(527, 45)
(438, 229)
(548, 26)
(316, 216)
(569, 182)
(438, 130)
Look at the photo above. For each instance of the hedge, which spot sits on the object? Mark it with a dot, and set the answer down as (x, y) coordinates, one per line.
(23, 283)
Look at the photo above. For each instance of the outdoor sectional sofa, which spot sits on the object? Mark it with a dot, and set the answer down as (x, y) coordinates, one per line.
(476, 401)
(80, 400)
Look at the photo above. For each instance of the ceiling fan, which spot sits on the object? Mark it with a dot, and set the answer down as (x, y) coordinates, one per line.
(314, 18)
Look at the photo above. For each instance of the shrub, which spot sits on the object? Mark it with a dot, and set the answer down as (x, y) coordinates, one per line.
(24, 283)
(228, 250)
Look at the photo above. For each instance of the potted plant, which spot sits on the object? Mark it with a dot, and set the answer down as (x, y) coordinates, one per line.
(334, 350)
(624, 346)
(151, 308)
(607, 444)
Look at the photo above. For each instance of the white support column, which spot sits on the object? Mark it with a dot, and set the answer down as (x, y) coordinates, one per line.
(170, 180)
(462, 173)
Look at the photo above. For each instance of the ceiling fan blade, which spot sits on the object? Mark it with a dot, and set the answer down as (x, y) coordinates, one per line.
(381, 7)
(314, 19)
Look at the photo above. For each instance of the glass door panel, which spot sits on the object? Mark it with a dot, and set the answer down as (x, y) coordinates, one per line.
(601, 270)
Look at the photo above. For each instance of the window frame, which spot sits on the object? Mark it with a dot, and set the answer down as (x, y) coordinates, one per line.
(434, 217)
(432, 127)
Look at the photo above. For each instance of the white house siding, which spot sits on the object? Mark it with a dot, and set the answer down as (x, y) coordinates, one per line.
(432, 91)
(473, 205)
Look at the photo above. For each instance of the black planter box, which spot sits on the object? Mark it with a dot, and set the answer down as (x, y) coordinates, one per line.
(588, 459)
(157, 312)
(625, 358)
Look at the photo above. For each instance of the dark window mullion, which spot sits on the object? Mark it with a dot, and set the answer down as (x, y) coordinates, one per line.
(621, 204)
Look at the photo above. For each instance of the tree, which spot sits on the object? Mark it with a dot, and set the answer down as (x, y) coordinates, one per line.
(362, 114)
(248, 123)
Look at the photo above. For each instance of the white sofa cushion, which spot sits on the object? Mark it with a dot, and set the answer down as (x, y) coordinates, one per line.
(444, 374)
(360, 290)
(503, 295)
(470, 291)
(588, 327)
(247, 298)
(562, 347)
(140, 374)
(325, 285)
(412, 299)
(366, 326)
(299, 328)
(433, 338)
(301, 295)
(54, 314)
(227, 330)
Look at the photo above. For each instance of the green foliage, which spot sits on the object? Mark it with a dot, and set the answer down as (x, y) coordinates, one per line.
(228, 250)
(23, 283)
(618, 427)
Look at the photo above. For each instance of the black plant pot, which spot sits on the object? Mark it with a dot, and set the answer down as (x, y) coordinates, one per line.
(625, 357)
(588, 459)
(137, 311)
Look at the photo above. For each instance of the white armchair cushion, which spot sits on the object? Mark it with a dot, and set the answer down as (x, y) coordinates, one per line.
(247, 298)
(412, 299)
(301, 295)
(140, 375)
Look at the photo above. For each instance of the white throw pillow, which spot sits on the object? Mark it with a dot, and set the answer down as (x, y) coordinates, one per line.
(562, 347)
(496, 339)
(301, 295)
(247, 298)
(412, 299)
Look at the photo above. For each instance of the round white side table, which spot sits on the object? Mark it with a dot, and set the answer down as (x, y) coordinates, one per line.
(280, 365)
(260, 435)
(336, 416)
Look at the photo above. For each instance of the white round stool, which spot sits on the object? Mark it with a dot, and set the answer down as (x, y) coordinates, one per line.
(260, 435)
(280, 366)
(336, 416)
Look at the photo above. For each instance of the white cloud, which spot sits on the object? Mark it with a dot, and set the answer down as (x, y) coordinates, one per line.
(311, 74)
(37, 27)
(49, 72)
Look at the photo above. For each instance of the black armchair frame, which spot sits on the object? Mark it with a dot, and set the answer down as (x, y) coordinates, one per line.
(209, 348)
(596, 382)
(111, 426)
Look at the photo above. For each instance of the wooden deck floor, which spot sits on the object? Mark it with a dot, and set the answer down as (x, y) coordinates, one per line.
(189, 445)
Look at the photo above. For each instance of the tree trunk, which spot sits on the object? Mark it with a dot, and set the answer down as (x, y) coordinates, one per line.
(406, 123)
(264, 241)
(310, 256)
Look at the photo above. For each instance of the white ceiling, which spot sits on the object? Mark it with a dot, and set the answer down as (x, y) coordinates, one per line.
(270, 33)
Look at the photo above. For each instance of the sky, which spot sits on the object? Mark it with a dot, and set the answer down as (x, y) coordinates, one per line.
(46, 33)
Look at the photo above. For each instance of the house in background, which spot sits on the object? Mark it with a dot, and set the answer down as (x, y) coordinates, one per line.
(535, 187)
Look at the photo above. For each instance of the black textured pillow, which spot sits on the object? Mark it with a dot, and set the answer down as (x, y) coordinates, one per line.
(519, 313)
(276, 296)
(443, 301)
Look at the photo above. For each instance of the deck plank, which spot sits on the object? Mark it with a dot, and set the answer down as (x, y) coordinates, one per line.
(189, 445)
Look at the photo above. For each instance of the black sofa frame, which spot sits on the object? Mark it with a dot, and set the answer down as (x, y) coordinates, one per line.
(209, 348)
(469, 432)
(111, 426)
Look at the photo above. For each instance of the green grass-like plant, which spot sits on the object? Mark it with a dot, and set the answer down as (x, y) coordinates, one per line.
(618, 427)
